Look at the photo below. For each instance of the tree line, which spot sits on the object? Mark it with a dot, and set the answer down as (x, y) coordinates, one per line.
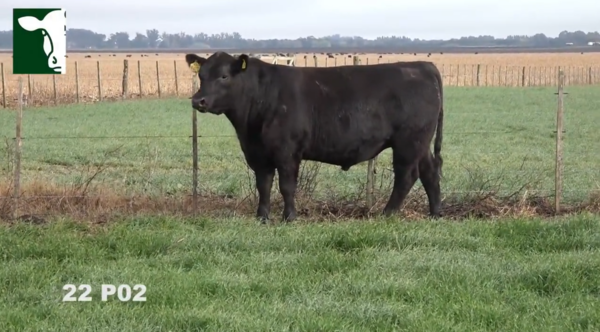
(87, 39)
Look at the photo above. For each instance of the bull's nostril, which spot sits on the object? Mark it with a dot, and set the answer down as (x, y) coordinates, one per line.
(202, 102)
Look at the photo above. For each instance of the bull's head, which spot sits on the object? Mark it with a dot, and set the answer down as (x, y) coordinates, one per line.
(220, 77)
(53, 27)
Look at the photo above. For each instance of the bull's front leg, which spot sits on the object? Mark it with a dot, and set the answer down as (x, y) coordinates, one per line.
(264, 183)
(288, 181)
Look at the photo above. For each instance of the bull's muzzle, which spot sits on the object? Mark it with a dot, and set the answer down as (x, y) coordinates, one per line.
(199, 104)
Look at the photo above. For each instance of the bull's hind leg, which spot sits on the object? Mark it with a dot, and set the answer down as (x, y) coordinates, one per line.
(430, 178)
(264, 183)
(288, 181)
(406, 173)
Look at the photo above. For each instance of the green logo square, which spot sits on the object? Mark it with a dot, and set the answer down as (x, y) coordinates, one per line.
(39, 41)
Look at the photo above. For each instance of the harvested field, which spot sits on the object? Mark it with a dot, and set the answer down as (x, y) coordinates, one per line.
(170, 73)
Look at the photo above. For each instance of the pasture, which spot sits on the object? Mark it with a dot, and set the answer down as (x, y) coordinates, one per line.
(135, 156)
(231, 275)
(99, 76)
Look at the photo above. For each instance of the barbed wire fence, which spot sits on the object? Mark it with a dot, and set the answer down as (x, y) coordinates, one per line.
(162, 79)
(375, 185)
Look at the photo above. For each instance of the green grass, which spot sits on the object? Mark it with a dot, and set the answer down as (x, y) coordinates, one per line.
(499, 136)
(232, 275)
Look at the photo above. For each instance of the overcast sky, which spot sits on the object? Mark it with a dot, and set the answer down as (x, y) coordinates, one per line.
(261, 19)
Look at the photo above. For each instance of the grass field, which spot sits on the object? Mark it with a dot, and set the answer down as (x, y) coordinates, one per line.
(231, 275)
(495, 140)
(534, 69)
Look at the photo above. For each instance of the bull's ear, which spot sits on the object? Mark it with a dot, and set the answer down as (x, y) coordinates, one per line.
(194, 61)
(240, 64)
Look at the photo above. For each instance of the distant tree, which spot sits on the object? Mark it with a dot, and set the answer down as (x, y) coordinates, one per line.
(140, 41)
(119, 40)
(6, 39)
(83, 38)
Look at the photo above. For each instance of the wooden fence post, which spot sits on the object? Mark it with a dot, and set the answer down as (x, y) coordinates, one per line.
(194, 152)
(29, 91)
(486, 75)
(590, 76)
(77, 82)
(559, 137)
(370, 165)
(54, 88)
(315, 60)
(158, 79)
(326, 62)
(176, 80)
(3, 85)
(18, 145)
(478, 72)
(523, 77)
(140, 78)
(99, 81)
(125, 78)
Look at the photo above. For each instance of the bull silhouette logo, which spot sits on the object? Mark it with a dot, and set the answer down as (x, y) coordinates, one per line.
(39, 41)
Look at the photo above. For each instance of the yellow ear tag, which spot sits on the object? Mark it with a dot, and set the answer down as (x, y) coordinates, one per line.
(243, 64)
(195, 67)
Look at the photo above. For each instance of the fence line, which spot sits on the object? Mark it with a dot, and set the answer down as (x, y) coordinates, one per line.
(113, 83)
(481, 79)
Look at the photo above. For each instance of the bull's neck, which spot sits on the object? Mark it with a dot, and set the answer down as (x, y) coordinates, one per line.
(236, 121)
(244, 119)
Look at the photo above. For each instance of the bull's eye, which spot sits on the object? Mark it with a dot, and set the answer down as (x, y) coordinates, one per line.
(224, 77)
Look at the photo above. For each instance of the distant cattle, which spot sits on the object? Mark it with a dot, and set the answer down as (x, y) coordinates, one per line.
(337, 115)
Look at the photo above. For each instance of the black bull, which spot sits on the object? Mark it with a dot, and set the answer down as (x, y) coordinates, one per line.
(338, 115)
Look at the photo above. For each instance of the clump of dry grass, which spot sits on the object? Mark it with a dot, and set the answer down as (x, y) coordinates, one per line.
(42, 201)
(521, 69)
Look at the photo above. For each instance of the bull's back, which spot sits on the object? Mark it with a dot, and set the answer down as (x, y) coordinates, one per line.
(352, 112)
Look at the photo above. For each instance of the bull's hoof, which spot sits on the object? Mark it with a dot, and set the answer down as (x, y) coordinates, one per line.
(388, 212)
(263, 219)
(290, 217)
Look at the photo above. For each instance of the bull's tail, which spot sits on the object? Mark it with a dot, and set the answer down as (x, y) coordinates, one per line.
(437, 145)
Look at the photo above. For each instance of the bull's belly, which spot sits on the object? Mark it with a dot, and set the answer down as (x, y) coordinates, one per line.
(346, 159)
